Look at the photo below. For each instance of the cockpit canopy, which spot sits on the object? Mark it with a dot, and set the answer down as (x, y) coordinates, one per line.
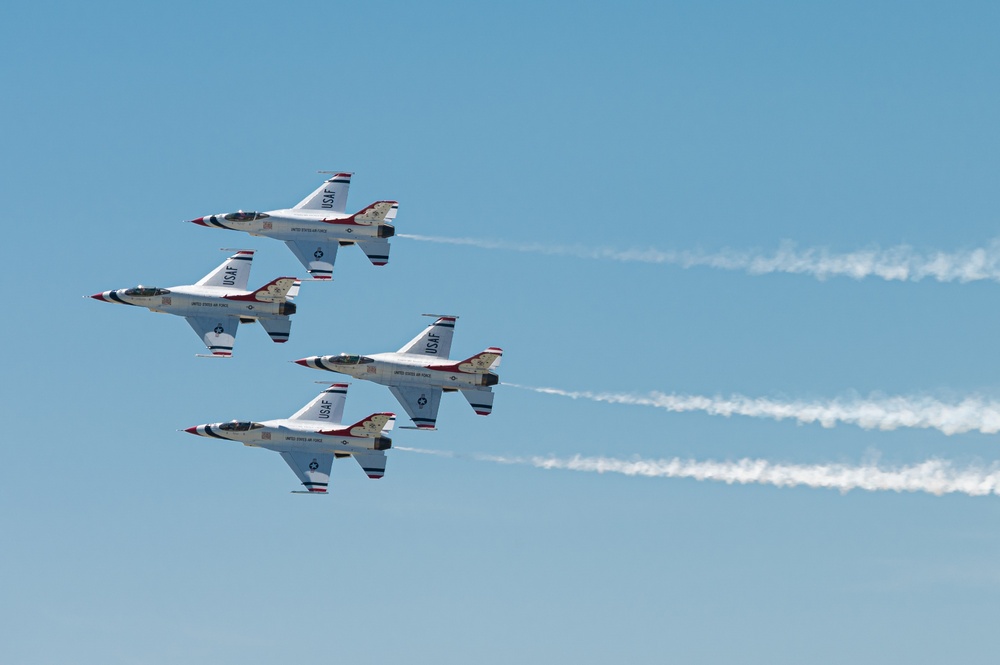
(241, 216)
(238, 426)
(146, 291)
(346, 359)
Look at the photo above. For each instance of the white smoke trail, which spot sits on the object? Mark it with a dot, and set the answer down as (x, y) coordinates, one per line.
(933, 476)
(900, 263)
(971, 414)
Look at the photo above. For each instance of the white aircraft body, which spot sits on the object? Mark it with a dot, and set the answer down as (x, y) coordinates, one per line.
(311, 439)
(419, 372)
(217, 304)
(318, 225)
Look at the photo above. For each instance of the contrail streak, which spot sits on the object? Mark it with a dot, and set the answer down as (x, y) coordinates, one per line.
(899, 263)
(933, 476)
(971, 414)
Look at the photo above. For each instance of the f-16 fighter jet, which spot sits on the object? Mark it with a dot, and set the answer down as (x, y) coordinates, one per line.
(419, 372)
(311, 439)
(318, 225)
(217, 304)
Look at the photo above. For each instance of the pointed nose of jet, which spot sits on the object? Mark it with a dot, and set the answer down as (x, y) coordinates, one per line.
(197, 429)
(304, 361)
(103, 296)
(200, 221)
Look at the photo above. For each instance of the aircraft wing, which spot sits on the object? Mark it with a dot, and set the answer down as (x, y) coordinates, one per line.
(435, 340)
(316, 255)
(420, 403)
(313, 469)
(218, 332)
(327, 407)
(372, 463)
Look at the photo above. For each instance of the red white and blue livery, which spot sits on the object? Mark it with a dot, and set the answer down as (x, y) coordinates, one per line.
(311, 439)
(318, 225)
(217, 304)
(419, 372)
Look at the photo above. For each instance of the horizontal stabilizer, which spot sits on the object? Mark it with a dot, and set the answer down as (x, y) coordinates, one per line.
(278, 328)
(369, 427)
(372, 463)
(274, 291)
(377, 251)
(480, 400)
(376, 213)
(481, 363)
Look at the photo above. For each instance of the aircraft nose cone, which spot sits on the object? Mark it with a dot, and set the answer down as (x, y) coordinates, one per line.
(200, 220)
(100, 296)
(302, 361)
(193, 430)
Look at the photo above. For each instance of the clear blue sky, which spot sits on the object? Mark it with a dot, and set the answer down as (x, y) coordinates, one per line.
(677, 126)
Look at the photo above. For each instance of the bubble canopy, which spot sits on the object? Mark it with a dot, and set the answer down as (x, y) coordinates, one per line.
(145, 291)
(348, 359)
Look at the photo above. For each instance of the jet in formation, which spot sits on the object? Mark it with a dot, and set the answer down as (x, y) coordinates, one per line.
(419, 372)
(311, 439)
(217, 304)
(318, 225)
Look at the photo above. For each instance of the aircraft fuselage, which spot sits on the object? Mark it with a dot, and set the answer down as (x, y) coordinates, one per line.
(400, 369)
(293, 435)
(300, 225)
(199, 301)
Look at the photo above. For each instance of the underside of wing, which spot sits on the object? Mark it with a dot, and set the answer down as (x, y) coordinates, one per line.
(318, 257)
(420, 403)
(313, 469)
(217, 332)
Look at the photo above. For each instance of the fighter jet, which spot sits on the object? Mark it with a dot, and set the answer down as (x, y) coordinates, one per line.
(311, 439)
(318, 225)
(217, 304)
(419, 372)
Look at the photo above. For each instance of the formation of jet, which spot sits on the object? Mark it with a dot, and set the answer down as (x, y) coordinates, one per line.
(419, 372)
(313, 437)
(318, 225)
(217, 303)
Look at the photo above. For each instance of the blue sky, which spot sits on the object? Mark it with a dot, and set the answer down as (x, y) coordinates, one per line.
(684, 127)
